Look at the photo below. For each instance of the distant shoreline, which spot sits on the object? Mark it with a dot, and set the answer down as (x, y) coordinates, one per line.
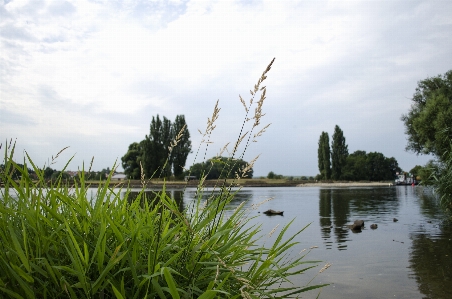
(240, 183)
(347, 184)
(245, 183)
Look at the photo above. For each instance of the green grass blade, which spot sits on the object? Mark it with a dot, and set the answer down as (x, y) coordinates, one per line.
(171, 283)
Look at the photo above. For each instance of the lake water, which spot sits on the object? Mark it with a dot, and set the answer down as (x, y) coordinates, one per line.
(410, 258)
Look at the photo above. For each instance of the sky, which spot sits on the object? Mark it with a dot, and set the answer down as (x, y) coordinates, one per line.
(91, 74)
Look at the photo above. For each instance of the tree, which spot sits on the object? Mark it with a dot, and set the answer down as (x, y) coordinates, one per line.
(131, 161)
(324, 156)
(152, 148)
(182, 148)
(220, 168)
(372, 166)
(441, 179)
(339, 153)
(378, 167)
(56, 174)
(155, 153)
(355, 167)
(48, 172)
(167, 136)
(416, 170)
(428, 123)
(273, 176)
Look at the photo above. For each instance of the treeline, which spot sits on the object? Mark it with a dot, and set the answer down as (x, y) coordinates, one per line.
(53, 174)
(337, 164)
(162, 153)
(15, 174)
(274, 176)
(221, 168)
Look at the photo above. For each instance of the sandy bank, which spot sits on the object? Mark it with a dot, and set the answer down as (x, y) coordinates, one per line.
(349, 184)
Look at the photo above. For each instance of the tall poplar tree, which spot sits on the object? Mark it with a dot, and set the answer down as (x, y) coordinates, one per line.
(167, 135)
(154, 150)
(320, 155)
(324, 156)
(181, 150)
(339, 153)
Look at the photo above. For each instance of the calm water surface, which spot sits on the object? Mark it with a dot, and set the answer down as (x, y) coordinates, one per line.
(410, 258)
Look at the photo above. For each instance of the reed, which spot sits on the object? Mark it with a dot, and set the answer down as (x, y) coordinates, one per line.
(61, 241)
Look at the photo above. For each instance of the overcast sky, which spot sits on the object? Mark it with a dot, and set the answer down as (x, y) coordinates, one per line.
(91, 74)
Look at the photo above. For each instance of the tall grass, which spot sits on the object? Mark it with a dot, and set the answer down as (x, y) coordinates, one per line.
(441, 179)
(61, 241)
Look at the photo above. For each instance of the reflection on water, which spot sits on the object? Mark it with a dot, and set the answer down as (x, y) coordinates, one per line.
(431, 260)
(152, 195)
(337, 205)
(184, 198)
(239, 197)
(334, 211)
(431, 250)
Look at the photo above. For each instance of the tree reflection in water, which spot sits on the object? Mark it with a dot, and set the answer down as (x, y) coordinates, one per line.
(431, 250)
(334, 212)
(151, 195)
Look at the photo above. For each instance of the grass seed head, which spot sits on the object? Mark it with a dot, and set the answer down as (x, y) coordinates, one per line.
(325, 267)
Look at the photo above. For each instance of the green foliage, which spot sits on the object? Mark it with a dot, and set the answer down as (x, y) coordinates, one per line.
(339, 153)
(439, 176)
(56, 174)
(16, 174)
(60, 242)
(163, 152)
(428, 125)
(429, 120)
(181, 148)
(273, 176)
(416, 171)
(372, 166)
(324, 156)
(428, 171)
(221, 168)
(131, 160)
(155, 147)
(48, 172)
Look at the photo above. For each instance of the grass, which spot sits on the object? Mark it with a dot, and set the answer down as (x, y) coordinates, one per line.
(61, 241)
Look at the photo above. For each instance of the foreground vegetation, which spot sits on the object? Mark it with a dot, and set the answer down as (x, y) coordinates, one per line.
(66, 242)
(428, 125)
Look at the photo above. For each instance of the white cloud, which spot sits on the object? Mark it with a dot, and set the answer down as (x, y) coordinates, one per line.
(85, 68)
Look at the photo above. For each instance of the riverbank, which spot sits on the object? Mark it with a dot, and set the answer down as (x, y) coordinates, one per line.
(241, 183)
(347, 184)
(157, 184)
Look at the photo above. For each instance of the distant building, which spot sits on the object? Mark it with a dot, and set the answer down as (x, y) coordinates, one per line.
(118, 177)
(72, 173)
(189, 178)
